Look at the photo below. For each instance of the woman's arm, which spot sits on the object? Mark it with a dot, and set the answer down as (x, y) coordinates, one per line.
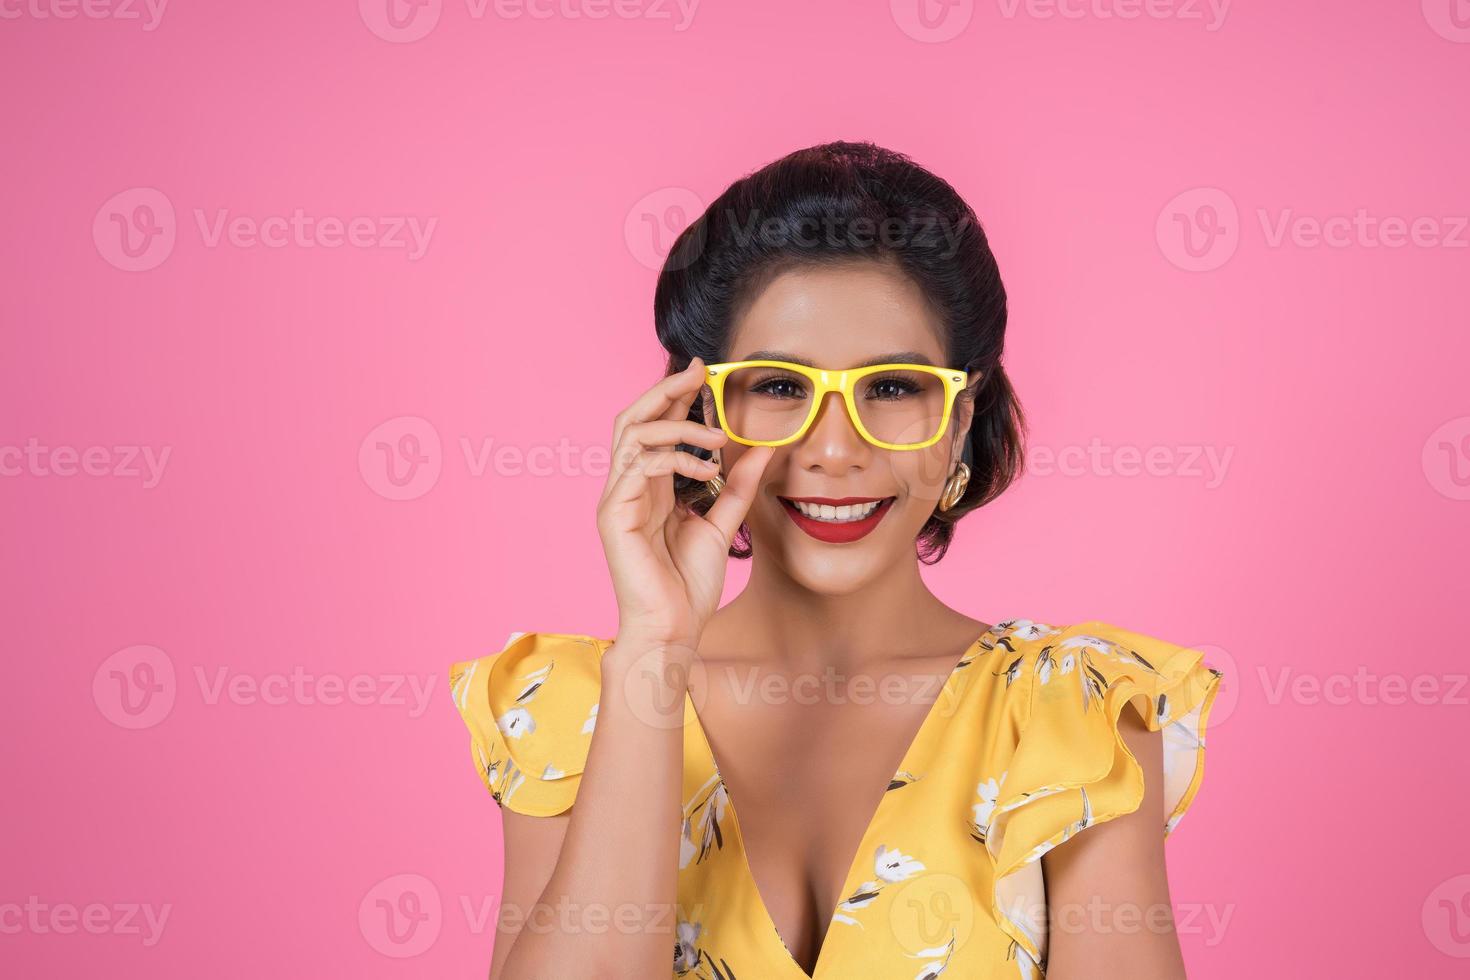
(535, 843)
(607, 907)
(1107, 888)
(591, 892)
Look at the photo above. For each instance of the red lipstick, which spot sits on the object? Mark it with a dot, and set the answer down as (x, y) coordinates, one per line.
(837, 533)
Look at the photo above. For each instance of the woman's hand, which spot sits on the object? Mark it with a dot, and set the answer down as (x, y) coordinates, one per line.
(667, 562)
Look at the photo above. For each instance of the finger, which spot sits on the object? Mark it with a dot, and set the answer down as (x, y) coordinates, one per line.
(679, 409)
(734, 501)
(660, 399)
(650, 466)
(662, 435)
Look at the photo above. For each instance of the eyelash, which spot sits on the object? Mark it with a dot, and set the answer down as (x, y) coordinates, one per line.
(908, 386)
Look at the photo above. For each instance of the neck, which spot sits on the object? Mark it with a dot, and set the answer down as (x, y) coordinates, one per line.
(891, 616)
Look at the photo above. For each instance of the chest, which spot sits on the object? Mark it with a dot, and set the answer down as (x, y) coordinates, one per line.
(807, 775)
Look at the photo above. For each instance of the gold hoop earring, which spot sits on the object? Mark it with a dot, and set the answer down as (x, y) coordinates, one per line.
(954, 487)
(714, 486)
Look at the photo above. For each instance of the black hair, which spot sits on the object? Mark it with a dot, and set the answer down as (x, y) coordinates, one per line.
(843, 202)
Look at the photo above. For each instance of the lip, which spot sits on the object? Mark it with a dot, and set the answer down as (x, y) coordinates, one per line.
(837, 533)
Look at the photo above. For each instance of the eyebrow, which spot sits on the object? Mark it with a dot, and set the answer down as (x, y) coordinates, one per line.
(894, 357)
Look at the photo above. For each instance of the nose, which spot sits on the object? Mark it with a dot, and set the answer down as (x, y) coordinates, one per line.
(832, 444)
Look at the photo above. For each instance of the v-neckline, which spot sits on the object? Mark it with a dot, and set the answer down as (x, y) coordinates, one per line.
(692, 715)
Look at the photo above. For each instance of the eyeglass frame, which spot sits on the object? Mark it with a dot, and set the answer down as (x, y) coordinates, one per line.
(845, 382)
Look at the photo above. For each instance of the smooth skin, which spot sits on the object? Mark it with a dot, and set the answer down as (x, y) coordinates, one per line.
(858, 610)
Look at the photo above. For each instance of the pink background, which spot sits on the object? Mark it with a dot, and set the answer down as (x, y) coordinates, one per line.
(1329, 378)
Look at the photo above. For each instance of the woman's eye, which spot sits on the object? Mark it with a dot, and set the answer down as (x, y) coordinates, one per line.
(779, 388)
(890, 388)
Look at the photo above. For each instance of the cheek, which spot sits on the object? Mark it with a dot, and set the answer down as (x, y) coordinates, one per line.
(922, 473)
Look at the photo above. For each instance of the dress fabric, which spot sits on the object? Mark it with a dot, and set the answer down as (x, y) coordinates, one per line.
(1019, 751)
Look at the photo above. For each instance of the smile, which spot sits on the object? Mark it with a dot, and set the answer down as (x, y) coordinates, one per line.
(836, 520)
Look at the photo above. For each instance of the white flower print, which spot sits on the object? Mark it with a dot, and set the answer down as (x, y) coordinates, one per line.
(989, 793)
(1085, 640)
(1088, 648)
(860, 899)
(514, 778)
(1093, 681)
(1084, 821)
(901, 779)
(1016, 629)
(1025, 629)
(1046, 665)
(686, 846)
(893, 865)
(890, 865)
(686, 950)
(1119, 654)
(533, 682)
(515, 723)
(518, 721)
(1013, 670)
(702, 833)
(936, 966)
(590, 724)
(714, 812)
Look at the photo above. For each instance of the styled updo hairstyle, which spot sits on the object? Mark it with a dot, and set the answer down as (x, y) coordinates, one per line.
(841, 202)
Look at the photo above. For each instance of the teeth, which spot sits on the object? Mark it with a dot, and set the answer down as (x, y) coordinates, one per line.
(837, 515)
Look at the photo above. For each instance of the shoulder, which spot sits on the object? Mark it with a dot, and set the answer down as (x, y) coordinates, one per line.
(1068, 760)
(1067, 691)
(531, 708)
(1098, 659)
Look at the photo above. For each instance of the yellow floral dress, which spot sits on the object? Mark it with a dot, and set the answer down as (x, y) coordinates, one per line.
(1019, 751)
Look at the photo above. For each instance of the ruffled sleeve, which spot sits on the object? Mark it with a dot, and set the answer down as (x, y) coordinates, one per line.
(531, 710)
(1069, 767)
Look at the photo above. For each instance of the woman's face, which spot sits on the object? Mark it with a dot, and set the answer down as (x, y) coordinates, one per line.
(835, 317)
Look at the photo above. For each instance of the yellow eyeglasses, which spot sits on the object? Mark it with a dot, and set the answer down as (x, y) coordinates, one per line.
(892, 406)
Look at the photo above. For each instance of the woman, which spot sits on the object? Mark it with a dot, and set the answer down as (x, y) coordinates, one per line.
(919, 793)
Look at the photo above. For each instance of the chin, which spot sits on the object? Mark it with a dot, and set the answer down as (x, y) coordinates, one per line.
(843, 568)
(831, 575)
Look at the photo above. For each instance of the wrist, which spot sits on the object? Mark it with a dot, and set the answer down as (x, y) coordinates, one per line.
(647, 677)
(649, 651)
